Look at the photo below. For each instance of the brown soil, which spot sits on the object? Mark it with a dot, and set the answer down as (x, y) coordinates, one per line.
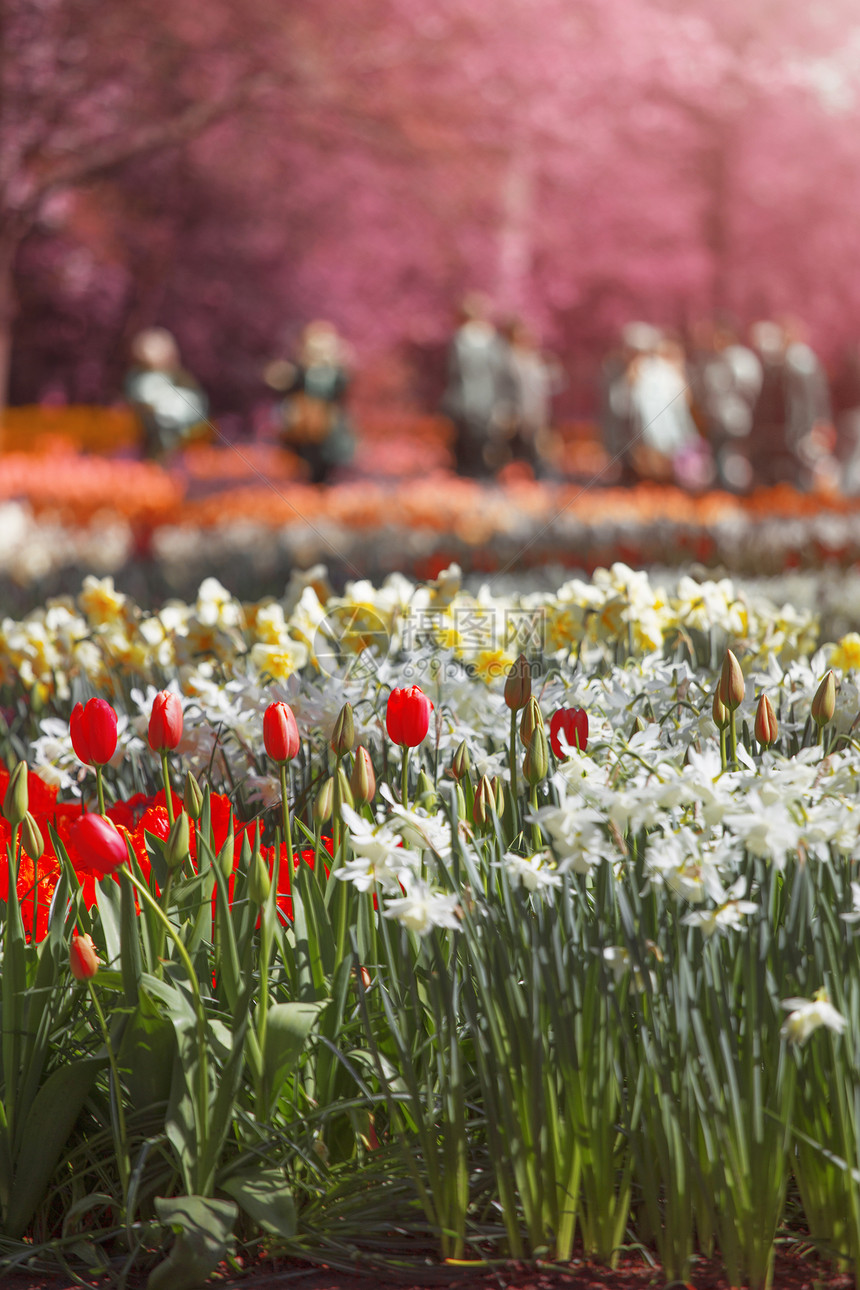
(793, 1272)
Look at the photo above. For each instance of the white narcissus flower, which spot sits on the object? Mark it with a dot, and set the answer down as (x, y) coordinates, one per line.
(807, 1015)
(534, 872)
(422, 908)
(854, 916)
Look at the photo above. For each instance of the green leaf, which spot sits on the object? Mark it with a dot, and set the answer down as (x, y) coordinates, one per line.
(204, 1227)
(46, 1131)
(146, 1055)
(287, 1028)
(264, 1196)
(130, 956)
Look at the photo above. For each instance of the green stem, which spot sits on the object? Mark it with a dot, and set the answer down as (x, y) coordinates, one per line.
(119, 1127)
(537, 836)
(100, 789)
(168, 793)
(404, 777)
(723, 751)
(513, 765)
(733, 740)
(337, 803)
(285, 810)
(203, 1067)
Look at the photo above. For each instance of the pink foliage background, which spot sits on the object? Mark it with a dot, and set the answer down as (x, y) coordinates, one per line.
(231, 171)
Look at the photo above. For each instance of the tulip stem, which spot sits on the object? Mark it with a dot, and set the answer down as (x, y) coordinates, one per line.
(119, 1121)
(100, 789)
(733, 739)
(337, 803)
(404, 777)
(203, 1062)
(513, 764)
(723, 750)
(168, 792)
(537, 836)
(285, 808)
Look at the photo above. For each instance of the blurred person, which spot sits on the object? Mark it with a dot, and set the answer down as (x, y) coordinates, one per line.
(810, 433)
(727, 383)
(617, 415)
(845, 396)
(170, 404)
(478, 393)
(531, 379)
(314, 421)
(666, 444)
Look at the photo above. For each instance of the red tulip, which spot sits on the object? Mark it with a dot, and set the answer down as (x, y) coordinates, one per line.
(573, 724)
(93, 731)
(408, 716)
(99, 846)
(83, 958)
(165, 723)
(280, 732)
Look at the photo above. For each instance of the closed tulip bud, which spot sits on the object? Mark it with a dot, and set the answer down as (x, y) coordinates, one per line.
(99, 844)
(531, 719)
(165, 722)
(31, 838)
(259, 880)
(425, 793)
(518, 686)
(766, 728)
(83, 958)
(178, 840)
(719, 710)
(573, 724)
(363, 780)
(731, 682)
(280, 732)
(343, 735)
(407, 716)
(498, 786)
(93, 732)
(345, 790)
(324, 803)
(824, 703)
(638, 726)
(461, 802)
(17, 798)
(192, 797)
(536, 760)
(485, 802)
(461, 764)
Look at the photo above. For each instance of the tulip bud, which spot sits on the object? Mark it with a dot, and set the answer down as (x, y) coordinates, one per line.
(93, 732)
(536, 760)
(176, 847)
(731, 682)
(99, 844)
(461, 763)
(407, 716)
(531, 718)
(824, 703)
(719, 710)
(192, 797)
(259, 880)
(345, 790)
(83, 958)
(766, 728)
(280, 732)
(165, 722)
(518, 686)
(461, 802)
(498, 787)
(31, 838)
(485, 802)
(343, 735)
(324, 803)
(425, 793)
(638, 725)
(16, 801)
(363, 780)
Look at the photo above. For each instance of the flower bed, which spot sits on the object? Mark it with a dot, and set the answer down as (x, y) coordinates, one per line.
(578, 968)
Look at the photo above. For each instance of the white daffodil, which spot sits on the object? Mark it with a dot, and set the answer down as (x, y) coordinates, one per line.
(422, 908)
(535, 872)
(808, 1015)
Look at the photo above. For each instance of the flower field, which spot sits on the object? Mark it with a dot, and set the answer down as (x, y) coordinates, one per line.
(405, 919)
